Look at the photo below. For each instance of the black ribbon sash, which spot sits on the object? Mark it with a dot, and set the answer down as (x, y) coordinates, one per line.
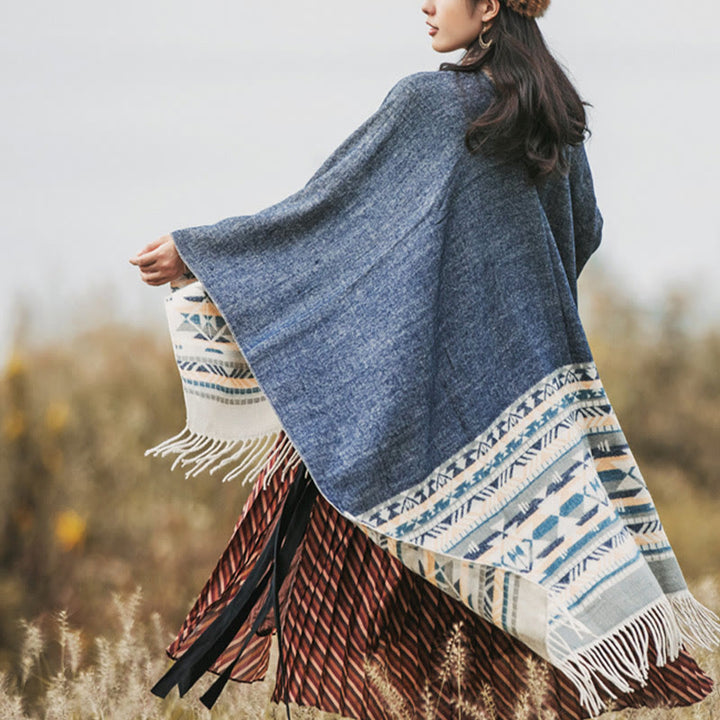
(271, 568)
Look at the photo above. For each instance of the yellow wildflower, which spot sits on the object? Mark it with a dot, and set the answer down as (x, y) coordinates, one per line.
(69, 529)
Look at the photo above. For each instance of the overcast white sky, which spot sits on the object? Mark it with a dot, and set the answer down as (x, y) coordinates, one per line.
(122, 122)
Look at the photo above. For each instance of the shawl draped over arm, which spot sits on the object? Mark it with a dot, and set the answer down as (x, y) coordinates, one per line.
(411, 315)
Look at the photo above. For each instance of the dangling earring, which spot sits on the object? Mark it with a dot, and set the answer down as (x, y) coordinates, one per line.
(483, 45)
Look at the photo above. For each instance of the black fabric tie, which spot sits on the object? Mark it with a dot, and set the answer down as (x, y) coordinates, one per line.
(271, 568)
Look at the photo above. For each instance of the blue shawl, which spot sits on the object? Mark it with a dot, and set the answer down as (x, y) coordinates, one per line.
(411, 314)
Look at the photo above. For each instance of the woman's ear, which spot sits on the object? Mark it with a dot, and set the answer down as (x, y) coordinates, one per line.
(490, 11)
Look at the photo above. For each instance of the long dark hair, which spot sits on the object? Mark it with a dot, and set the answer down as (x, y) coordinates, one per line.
(536, 112)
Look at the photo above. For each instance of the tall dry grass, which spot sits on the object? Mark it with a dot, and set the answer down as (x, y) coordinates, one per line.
(64, 675)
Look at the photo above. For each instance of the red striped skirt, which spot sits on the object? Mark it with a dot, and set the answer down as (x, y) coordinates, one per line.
(362, 634)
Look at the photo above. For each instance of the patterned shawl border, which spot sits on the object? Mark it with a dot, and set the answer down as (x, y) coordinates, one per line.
(388, 512)
(229, 420)
(594, 660)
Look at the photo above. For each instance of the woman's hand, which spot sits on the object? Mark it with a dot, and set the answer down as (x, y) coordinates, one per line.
(159, 261)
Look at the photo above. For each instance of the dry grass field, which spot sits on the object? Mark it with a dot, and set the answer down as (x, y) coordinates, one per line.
(60, 676)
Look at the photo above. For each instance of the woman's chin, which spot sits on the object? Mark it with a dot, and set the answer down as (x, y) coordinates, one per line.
(443, 47)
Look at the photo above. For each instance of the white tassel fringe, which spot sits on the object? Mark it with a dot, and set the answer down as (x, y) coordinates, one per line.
(204, 453)
(609, 663)
(700, 626)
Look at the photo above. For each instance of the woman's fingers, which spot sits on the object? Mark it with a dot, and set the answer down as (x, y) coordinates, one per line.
(159, 261)
(142, 254)
(144, 261)
(158, 268)
(153, 250)
(159, 274)
(146, 257)
(154, 244)
(154, 278)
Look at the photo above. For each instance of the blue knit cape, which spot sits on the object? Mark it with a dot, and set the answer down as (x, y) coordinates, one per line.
(411, 314)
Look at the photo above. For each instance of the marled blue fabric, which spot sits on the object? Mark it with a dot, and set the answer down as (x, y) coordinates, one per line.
(411, 291)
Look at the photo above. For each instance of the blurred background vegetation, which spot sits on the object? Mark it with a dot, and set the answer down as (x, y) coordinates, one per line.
(84, 514)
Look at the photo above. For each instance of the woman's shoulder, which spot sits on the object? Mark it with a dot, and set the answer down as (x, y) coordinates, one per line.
(443, 90)
(443, 81)
(421, 79)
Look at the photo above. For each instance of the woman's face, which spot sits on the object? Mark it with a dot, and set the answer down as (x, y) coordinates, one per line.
(454, 24)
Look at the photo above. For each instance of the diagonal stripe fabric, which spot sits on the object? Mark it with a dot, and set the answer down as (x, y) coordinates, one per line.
(361, 631)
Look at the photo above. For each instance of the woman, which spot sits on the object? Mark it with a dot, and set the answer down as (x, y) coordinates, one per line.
(451, 516)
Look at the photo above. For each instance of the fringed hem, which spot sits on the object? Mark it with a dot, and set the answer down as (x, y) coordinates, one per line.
(671, 623)
(249, 455)
(700, 626)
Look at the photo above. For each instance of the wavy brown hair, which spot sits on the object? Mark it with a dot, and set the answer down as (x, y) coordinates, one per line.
(536, 112)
